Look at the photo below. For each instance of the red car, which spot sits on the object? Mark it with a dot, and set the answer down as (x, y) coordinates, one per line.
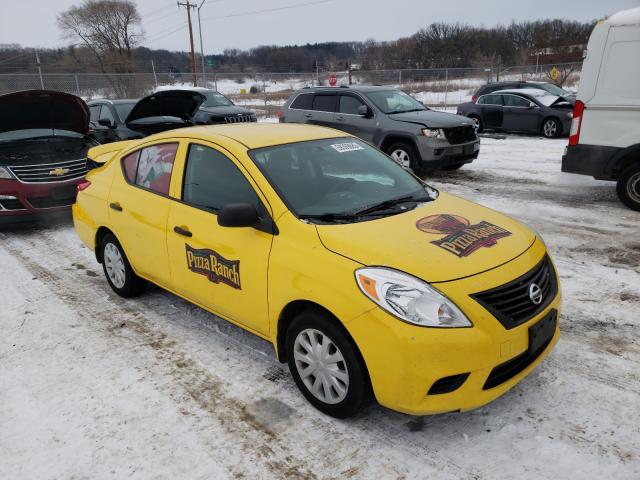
(43, 152)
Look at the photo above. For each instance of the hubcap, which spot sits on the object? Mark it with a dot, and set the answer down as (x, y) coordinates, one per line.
(321, 366)
(401, 157)
(476, 123)
(114, 264)
(633, 187)
(550, 128)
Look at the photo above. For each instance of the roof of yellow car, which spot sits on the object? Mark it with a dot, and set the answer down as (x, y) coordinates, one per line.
(257, 135)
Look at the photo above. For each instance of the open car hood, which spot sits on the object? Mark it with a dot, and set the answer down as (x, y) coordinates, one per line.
(43, 109)
(446, 239)
(432, 119)
(164, 110)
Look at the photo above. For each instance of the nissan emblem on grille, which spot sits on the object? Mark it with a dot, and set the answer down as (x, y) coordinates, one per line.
(535, 294)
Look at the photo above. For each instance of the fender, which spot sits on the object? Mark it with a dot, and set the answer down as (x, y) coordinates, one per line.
(622, 159)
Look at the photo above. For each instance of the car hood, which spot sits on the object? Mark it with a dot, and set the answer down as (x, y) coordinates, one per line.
(432, 119)
(446, 239)
(226, 110)
(179, 105)
(43, 109)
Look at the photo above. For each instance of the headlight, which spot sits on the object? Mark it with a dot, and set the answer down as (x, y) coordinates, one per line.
(4, 173)
(433, 132)
(570, 115)
(409, 298)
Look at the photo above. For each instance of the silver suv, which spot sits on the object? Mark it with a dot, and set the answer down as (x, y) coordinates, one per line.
(395, 122)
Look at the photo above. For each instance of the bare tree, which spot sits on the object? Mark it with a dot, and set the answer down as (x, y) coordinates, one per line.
(110, 29)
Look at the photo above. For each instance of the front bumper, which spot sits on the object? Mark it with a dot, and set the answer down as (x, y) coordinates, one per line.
(405, 361)
(24, 202)
(440, 153)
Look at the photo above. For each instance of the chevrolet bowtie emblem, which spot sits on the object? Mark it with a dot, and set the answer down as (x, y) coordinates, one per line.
(58, 172)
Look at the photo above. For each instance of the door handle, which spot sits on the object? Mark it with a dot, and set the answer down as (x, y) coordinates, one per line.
(182, 231)
(308, 115)
(340, 118)
(115, 206)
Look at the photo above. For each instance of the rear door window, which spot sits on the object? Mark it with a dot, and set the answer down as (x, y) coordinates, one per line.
(130, 166)
(325, 102)
(155, 164)
(491, 100)
(350, 104)
(515, 101)
(303, 102)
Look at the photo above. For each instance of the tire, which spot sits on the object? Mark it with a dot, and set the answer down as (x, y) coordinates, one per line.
(454, 166)
(117, 268)
(628, 187)
(405, 155)
(477, 123)
(349, 388)
(551, 128)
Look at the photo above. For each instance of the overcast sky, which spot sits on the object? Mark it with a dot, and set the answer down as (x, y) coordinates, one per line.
(32, 22)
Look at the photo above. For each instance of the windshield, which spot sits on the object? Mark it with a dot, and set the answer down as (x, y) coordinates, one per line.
(553, 89)
(215, 99)
(395, 101)
(337, 176)
(32, 133)
(124, 109)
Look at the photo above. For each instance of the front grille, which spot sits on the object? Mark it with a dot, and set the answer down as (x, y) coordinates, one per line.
(459, 135)
(51, 172)
(513, 367)
(238, 119)
(11, 204)
(511, 303)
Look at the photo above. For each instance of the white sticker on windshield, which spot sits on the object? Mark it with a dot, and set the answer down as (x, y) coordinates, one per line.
(346, 147)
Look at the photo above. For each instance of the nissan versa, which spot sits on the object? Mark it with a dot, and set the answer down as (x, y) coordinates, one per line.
(368, 282)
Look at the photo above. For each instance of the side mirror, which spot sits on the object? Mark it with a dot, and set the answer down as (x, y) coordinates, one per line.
(365, 111)
(106, 123)
(238, 215)
(532, 105)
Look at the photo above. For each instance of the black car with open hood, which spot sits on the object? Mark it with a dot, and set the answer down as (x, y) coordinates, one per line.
(164, 110)
(43, 152)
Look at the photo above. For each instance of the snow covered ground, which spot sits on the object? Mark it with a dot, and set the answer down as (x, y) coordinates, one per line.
(94, 386)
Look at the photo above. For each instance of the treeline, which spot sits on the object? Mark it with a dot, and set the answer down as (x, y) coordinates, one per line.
(439, 45)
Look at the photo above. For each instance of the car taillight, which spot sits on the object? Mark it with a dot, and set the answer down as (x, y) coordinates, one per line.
(576, 123)
(280, 116)
(474, 98)
(83, 185)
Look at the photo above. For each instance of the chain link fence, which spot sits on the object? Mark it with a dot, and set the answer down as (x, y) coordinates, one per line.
(266, 92)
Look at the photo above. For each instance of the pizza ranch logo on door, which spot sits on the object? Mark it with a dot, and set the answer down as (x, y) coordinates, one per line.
(462, 238)
(214, 266)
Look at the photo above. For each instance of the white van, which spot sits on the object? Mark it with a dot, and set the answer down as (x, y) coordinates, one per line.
(604, 140)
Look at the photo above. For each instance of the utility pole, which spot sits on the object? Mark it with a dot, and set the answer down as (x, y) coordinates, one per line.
(317, 74)
(204, 76)
(155, 78)
(189, 6)
(39, 70)
(349, 68)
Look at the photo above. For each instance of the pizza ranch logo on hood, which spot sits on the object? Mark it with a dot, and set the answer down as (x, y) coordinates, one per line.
(214, 266)
(462, 238)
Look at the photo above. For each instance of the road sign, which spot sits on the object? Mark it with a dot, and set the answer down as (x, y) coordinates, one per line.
(333, 79)
(554, 73)
(210, 62)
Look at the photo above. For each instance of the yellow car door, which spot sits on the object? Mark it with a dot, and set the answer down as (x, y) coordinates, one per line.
(139, 205)
(223, 269)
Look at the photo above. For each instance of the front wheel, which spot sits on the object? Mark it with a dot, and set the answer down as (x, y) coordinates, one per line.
(405, 155)
(628, 187)
(551, 128)
(117, 269)
(326, 366)
(477, 123)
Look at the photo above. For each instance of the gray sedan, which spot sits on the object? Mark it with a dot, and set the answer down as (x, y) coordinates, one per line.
(521, 110)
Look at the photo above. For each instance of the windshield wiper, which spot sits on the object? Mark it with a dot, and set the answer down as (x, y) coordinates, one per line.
(407, 111)
(386, 204)
(330, 217)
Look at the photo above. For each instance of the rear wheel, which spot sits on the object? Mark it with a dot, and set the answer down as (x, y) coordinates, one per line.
(628, 187)
(477, 123)
(326, 366)
(551, 128)
(117, 269)
(405, 155)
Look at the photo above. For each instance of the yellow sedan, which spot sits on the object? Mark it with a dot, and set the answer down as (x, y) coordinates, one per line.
(368, 282)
